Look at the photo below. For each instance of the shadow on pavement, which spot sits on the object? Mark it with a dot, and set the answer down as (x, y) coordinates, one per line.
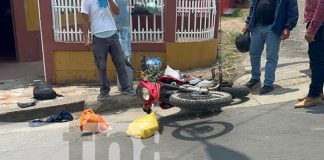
(307, 72)
(222, 153)
(316, 109)
(238, 101)
(278, 90)
(185, 115)
(203, 130)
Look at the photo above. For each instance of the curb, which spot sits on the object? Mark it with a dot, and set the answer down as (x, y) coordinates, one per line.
(42, 110)
(115, 102)
(69, 104)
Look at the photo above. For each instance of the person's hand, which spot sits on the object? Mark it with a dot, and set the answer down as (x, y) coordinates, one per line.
(88, 44)
(246, 28)
(285, 34)
(309, 38)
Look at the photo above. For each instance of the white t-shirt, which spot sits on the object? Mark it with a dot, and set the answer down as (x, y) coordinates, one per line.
(101, 18)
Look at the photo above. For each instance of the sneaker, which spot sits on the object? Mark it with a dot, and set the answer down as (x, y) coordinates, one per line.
(251, 83)
(266, 89)
(129, 91)
(304, 97)
(102, 97)
(308, 102)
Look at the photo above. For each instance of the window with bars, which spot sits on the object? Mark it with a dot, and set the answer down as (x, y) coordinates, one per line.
(67, 20)
(147, 28)
(195, 20)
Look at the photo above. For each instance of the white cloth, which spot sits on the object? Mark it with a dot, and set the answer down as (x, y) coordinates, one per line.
(101, 18)
(105, 34)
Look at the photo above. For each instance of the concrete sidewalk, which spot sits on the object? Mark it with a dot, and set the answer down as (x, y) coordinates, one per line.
(16, 83)
(292, 81)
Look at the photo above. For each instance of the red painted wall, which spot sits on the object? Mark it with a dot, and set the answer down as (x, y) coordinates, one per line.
(28, 43)
(227, 4)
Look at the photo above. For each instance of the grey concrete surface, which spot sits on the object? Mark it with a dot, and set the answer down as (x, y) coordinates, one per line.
(15, 70)
(41, 110)
(268, 132)
(255, 128)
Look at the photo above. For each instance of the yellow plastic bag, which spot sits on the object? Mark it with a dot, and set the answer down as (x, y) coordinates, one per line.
(143, 127)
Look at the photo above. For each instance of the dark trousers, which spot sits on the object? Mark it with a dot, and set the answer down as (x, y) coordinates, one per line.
(101, 48)
(316, 57)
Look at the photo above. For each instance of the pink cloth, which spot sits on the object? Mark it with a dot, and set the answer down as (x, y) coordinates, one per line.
(314, 14)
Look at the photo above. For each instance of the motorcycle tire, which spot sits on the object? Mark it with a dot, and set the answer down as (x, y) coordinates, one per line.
(236, 91)
(195, 101)
(139, 91)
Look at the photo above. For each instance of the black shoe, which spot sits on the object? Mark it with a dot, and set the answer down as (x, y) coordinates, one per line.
(252, 83)
(266, 89)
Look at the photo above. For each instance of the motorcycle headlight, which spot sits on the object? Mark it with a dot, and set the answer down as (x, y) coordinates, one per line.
(145, 94)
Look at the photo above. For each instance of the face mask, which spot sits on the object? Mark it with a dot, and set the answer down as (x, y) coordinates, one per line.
(102, 3)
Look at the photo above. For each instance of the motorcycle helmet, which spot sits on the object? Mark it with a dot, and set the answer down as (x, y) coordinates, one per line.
(154, 63)
(152, 8)
(242, 42)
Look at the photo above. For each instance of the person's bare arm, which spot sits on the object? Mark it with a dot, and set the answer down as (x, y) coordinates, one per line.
(114, 7)
(85, 28)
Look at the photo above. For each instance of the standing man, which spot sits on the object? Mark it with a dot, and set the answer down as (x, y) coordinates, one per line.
(314, 17)
(105, 39)
(269, 21)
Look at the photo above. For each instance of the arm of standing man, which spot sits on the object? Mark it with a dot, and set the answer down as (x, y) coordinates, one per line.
(85, 11)
(247, 21)
(292, 19)
(318, 19)
(114, 7)
(85, 30)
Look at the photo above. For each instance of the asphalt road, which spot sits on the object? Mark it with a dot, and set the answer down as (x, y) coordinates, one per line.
(268, 132)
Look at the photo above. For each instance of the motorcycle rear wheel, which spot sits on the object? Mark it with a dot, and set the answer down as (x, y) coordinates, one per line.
(236, 91)
(196, 101)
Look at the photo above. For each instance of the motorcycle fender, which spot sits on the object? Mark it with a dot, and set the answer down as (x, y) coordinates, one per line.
(154, 90)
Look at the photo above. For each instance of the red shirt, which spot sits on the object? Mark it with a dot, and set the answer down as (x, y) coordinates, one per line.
(314, 14)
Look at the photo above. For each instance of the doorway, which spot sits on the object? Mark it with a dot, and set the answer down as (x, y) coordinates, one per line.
(7, 40)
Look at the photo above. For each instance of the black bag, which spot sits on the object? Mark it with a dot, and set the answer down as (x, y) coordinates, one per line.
(140, 9)
(43, 91)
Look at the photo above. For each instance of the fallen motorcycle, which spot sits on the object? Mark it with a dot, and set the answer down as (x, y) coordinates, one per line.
(186, 92)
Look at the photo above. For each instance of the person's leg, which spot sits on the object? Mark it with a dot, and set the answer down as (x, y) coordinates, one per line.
(257, 46)
(272, 49)
(321, 46)
(118, 58)
(316, 57)
(100, 51)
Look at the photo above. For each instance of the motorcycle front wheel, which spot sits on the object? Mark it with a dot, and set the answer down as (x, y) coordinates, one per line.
(196, 101)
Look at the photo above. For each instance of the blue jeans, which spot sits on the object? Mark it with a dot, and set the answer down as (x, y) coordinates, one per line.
(101, 48)
(316, 57)
(260, 36)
